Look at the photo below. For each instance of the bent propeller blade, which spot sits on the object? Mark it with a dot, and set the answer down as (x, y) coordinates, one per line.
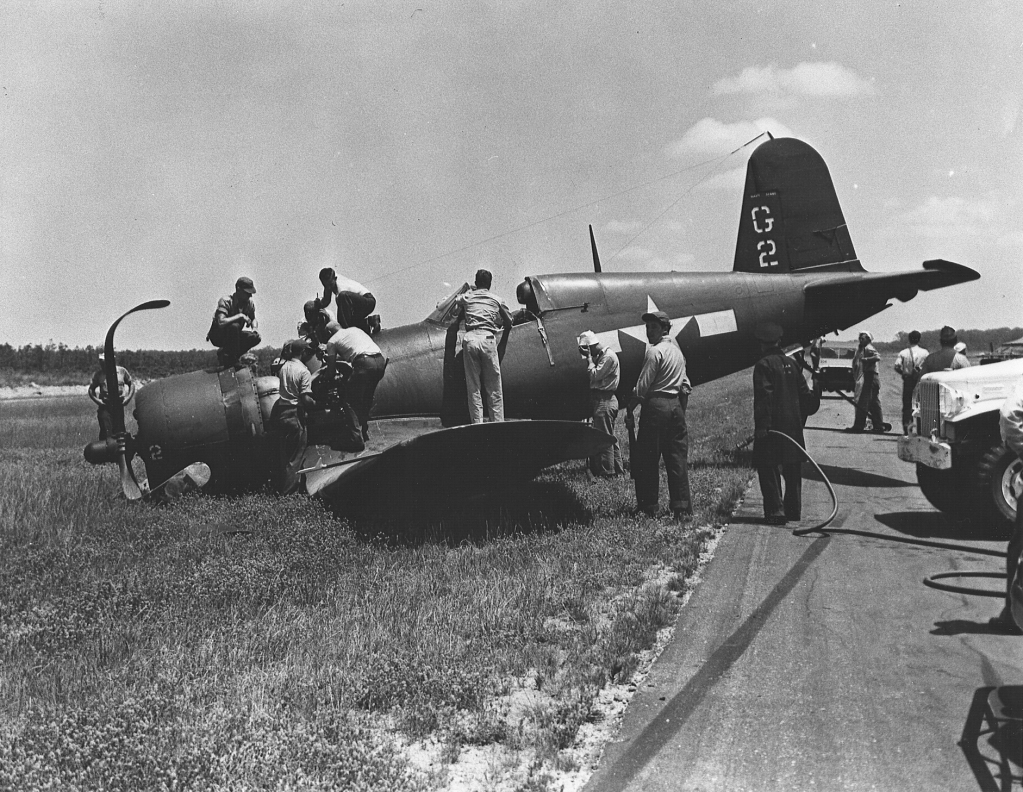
(129, 486)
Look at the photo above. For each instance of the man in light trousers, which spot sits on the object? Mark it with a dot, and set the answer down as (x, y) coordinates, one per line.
(605, 375)
(484, 312)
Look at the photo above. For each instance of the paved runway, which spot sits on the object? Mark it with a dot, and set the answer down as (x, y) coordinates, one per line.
(822, 662)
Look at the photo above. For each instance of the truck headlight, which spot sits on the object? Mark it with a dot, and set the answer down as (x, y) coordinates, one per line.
(951, 402)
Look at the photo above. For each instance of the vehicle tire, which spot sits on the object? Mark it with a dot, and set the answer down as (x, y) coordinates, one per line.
(999, 480)
(947, 491)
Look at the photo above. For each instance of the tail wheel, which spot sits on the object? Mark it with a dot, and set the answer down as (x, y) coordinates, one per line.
(1000, 480)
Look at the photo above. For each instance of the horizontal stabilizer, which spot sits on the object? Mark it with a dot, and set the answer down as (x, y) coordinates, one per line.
(510, 450)
(840, 301)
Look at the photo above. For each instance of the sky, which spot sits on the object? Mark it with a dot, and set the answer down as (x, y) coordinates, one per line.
(161, 150)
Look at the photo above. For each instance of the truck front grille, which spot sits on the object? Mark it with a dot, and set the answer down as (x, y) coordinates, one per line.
(930, 418)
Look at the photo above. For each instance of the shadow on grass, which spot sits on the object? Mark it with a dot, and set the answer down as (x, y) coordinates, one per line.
(456, 512)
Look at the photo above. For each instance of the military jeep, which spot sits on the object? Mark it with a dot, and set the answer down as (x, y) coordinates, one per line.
(962, 465)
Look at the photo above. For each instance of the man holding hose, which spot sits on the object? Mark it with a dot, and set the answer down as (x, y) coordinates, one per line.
(781, 401)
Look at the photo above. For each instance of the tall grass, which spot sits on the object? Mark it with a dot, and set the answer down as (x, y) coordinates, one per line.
(264, 643)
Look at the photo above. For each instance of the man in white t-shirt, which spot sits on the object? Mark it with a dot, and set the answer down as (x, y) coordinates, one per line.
(288, 414)
(354, 346)
(909, 364)
(354, 301)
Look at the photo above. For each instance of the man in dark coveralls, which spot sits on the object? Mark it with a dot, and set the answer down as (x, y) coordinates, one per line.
(781, 401)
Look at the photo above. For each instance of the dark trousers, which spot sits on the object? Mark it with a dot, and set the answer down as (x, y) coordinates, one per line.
(286, 421)
(353, 309)
(908, 385)
(234, 339)
(791, 506)
(367, 371)
(869, 405)
(662, 432)
(608, 462)
(106, 422)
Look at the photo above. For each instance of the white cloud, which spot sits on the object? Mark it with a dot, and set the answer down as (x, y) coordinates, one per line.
(804, 79)
(953, 217)
(710, 136)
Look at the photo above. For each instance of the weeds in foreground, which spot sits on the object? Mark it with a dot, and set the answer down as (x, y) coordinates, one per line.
(148, 649)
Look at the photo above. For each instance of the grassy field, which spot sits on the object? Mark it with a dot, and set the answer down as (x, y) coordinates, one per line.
(263, 643)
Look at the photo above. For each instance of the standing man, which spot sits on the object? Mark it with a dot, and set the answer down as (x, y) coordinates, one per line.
(781, 402)
(354, 346)
(946, 358)
(234, 327)
(868, 400)
(288, 413)
(1011, 424)
(605, 375)
(484, 313)
(98, 393)
(663, 390)
(354, 301)
(909, 365)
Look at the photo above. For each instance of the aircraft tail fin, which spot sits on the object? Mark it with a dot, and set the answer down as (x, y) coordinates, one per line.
(791, 219)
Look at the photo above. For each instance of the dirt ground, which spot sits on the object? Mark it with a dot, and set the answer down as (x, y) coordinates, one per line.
(31, 391)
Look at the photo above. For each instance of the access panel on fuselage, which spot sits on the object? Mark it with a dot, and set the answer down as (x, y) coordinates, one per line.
(544, 375)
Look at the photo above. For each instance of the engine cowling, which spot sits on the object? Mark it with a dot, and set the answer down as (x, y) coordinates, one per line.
(215, 416)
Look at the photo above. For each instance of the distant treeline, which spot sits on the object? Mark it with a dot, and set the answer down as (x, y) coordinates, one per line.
(82, 362)
(977, 341)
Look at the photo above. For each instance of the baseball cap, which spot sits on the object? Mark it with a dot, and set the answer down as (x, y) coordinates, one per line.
(657, 316)
(245, 285)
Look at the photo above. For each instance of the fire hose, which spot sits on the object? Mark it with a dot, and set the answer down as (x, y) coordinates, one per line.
(932, 581)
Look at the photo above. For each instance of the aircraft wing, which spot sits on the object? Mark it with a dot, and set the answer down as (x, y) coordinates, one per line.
(510, 450)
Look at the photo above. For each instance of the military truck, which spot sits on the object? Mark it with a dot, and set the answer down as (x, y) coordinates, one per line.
(962, 465)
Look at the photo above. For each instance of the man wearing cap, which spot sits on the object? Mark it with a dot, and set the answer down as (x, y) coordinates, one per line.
(909, 364)
(233, 330)
(354, 301)
(98, 393)
(317, 329)
(663, 390)
(605, 375)
(781, 403)
(868, 397)
(484, 313)
(288, 414)
(354, 347)
(946, 358)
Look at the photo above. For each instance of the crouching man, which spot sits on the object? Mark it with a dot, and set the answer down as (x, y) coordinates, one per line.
(288, 414)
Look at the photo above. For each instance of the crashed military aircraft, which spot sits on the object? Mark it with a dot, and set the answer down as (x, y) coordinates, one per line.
(794, 265)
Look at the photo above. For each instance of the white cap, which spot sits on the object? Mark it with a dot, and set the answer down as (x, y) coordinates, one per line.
(588, 338)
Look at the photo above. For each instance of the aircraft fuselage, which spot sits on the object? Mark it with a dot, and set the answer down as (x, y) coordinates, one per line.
(714, 316)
